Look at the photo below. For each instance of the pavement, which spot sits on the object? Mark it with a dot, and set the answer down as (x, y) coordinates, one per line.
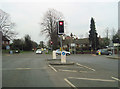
(114, 56)
(33, 70)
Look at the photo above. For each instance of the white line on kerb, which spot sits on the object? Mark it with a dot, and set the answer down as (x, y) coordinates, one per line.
(60, 66)
(22, 68)
(92, 79)
(68, 70)
(115, 78)
(70, 83)
(85, 66)
(52, 68)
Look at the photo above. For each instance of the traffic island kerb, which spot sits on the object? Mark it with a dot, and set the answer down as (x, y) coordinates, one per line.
(59, 63)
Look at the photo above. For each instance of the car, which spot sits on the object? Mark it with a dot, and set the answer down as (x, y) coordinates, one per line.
(38, 51)
(58, 52)
(17, 51)
(103, 52)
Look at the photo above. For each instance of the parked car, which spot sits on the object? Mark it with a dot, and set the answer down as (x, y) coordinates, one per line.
(38, 51)
(58, 52)
(16, 51)
(103, 52)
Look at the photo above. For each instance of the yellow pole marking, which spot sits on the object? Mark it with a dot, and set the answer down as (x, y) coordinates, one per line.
(85, 67)
(93, 79)
(70, 83)
(52, 68)
(115, 78)
(68, 70)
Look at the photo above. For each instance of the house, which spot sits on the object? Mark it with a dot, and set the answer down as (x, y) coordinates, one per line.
(69, 43)
(5, 42)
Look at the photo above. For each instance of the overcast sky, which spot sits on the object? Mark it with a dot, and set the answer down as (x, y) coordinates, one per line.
(77, 13)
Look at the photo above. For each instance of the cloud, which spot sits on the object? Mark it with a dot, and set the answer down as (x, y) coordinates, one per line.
(28, 15)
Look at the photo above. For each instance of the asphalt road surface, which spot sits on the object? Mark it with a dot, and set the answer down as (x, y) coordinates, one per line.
(33, 70)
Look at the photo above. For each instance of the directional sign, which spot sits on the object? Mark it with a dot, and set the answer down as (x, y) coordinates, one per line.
(7, 47)
(63, 53)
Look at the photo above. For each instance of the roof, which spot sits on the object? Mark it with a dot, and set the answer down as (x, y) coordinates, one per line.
(77, 41)
(82, 41)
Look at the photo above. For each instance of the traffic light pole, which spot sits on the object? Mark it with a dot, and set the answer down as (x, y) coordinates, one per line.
(61, 42)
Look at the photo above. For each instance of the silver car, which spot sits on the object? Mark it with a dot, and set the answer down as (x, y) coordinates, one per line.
(58, 52)
(38, 51)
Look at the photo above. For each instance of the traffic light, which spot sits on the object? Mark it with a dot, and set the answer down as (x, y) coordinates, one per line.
(60, 27)
(51, 42)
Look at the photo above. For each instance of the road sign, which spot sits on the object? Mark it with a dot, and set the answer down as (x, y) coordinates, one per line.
(7, 47)
(63, 53)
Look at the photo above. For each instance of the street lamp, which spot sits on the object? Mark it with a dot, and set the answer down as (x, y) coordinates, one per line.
(117, 40)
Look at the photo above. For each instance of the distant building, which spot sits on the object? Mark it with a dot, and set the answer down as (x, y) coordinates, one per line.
(5, 42)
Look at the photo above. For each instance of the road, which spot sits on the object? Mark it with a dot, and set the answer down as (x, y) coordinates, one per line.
(32, 70)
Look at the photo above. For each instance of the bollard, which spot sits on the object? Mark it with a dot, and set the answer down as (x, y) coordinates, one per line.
(54, 54)
(63, 57)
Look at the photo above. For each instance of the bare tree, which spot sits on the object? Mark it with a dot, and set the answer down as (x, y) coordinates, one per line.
(49, 25)
(107, 32)
(6, 25)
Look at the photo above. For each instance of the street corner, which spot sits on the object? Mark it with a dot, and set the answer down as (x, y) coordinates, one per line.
(113, 57)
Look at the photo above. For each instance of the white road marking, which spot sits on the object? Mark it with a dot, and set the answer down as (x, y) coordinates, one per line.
(83, 71)
(70, 83)
(68, 70)
(60, 66)
(93, 79)
(115, 78)
(52, 68)
(85, 66)
(23, 68)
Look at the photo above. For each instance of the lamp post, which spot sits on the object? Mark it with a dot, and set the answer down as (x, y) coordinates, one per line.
(117, 39)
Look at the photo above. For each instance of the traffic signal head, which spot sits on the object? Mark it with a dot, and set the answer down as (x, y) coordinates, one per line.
(51, 42)
(60, 27)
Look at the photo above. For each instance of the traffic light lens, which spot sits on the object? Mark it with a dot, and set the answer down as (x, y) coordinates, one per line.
(61, 23)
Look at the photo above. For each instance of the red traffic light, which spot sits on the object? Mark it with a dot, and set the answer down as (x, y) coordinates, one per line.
(51, 42)
(61, 23)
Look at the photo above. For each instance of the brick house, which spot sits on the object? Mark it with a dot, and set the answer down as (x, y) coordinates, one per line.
(5, 42)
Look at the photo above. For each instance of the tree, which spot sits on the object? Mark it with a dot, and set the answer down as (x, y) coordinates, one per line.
(6, 25)
(41, 44)
(17, 44)
(93, 39)
(116, 38)
(28, 43)
(49, 25)
(104, 42)
(71, 35)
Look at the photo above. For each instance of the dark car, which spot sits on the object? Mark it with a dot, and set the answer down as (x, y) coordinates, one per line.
(103, 52)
